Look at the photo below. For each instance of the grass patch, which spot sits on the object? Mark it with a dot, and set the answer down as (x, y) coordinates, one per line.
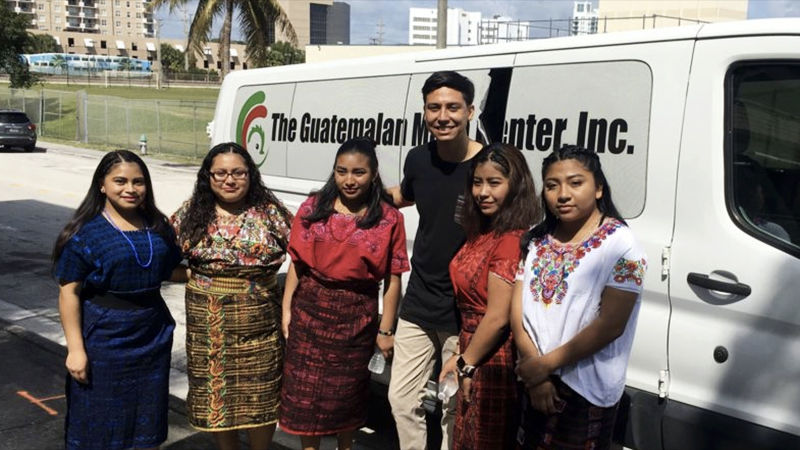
(137, 92)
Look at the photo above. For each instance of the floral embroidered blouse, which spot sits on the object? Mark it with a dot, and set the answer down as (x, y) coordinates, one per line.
(563, 285)
(253, 241)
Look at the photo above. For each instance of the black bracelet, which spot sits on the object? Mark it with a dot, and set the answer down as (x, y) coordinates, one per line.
(385, 333)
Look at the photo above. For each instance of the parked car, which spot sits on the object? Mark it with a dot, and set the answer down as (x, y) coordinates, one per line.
(17, 130)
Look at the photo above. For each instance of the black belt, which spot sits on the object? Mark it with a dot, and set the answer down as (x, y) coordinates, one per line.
(137, 300)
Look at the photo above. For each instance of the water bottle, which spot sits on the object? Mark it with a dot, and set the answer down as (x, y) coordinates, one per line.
(377, 363)
(447, 387)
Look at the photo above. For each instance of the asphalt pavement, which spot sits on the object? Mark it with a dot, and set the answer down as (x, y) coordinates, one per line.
(37, 196)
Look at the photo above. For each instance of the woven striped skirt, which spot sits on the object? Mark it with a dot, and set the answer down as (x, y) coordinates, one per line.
(580, 425)
(331, 339)
(234, 352)
(488, 421)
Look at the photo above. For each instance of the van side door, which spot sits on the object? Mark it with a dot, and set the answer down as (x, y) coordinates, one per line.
(734, 338)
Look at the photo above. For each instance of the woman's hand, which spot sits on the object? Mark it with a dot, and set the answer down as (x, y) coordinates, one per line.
(465, 384)
(544, 398)
(533, 370)
(448, 367)
(286, 319)
(78, 366)
(385, 344)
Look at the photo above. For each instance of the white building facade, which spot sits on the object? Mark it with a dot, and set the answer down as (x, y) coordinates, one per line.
(463, 27)
(584, 18)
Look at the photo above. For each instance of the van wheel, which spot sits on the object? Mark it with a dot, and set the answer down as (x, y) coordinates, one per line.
(30, 148)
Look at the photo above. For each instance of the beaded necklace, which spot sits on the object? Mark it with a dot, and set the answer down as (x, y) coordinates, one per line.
(133, 247)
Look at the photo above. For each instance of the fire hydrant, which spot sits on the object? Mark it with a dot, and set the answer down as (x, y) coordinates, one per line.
(143, 144)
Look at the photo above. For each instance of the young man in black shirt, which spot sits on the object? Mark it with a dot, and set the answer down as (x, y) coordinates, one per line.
(434, 178)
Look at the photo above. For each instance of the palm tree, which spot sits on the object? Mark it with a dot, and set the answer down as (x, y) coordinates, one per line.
(60, 63)
(256, 17)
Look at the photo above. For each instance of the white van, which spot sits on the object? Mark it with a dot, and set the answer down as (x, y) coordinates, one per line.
(698, 129)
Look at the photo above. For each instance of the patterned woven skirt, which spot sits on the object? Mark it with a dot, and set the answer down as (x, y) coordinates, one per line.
(234, 352)
(124, 405)
(580, 425)
(488, 421)
(331, 339)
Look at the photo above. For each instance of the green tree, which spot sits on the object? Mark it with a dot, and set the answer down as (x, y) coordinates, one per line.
(125, 65)
(13, 40)
(256, 19)
(278, 54)
(41, 43)
(171, 58)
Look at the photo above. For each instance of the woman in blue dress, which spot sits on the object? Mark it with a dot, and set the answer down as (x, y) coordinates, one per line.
(110, 260)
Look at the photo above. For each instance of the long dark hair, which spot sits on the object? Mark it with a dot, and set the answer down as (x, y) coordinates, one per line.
(95, 201)
(202, 206)
(325, 197)
(520, 209)
(591, 162)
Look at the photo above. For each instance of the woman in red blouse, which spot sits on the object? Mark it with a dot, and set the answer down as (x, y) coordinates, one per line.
(503, 206)
(346, 238)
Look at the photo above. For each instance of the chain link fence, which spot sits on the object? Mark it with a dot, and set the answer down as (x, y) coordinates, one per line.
(172, 127)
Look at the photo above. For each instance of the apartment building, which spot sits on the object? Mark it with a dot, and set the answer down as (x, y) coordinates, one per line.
(121, 18)
(129, 27)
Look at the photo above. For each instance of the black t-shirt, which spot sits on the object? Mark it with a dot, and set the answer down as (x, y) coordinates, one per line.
(436, 186)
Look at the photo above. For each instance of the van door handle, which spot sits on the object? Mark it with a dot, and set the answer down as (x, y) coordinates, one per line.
(703, 280)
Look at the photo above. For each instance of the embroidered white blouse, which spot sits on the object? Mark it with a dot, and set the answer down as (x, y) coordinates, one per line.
(563, 284)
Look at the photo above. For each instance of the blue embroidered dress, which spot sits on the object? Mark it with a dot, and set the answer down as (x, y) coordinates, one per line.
(124, 404)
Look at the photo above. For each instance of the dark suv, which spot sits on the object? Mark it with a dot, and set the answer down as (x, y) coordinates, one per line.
(17, 130)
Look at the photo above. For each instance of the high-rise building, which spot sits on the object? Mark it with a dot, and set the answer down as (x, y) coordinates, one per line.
(584, 18)
(317, 21)
(122, 18)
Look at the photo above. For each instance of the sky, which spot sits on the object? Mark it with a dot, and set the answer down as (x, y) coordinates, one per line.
(365, 15)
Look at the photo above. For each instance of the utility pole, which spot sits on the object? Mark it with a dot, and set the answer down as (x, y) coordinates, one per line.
(185, 19)
(160, 72)
(441, 27)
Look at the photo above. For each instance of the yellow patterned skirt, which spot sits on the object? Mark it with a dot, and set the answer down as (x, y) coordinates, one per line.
(234, 352)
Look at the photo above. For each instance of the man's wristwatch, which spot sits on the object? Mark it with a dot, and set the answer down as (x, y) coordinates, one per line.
(464, 369)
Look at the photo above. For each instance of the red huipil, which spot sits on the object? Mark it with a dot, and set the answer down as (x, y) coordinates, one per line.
(487, 420)
(335, 317)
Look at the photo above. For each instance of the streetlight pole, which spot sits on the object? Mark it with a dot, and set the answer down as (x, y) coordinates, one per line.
(441, 27)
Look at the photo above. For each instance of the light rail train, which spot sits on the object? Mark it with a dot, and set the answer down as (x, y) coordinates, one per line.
(71, 64)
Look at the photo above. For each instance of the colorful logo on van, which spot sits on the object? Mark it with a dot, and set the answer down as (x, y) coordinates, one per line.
(251, 135)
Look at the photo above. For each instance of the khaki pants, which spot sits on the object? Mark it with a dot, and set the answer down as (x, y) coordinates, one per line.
(415, 353)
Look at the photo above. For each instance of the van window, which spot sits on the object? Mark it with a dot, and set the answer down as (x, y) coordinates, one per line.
(603, 106)
(763, 151)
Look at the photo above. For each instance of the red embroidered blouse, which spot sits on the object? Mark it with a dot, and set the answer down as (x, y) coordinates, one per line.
(471, 266)
(337, 250)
